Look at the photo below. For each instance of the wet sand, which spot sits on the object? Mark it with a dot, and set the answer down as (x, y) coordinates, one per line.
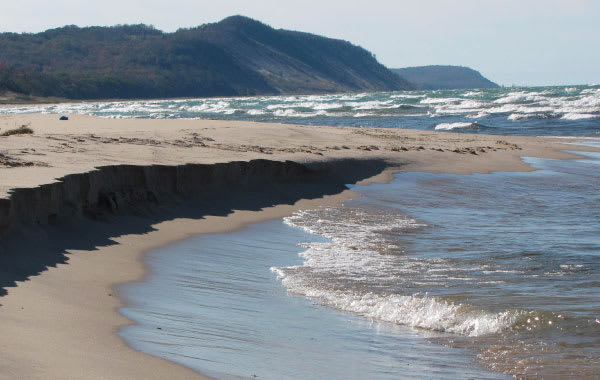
(59, 313)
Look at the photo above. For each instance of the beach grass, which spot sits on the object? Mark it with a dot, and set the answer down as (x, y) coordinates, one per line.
(22, 130)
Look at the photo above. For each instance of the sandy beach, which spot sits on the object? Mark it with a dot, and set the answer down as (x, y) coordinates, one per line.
(62, 252)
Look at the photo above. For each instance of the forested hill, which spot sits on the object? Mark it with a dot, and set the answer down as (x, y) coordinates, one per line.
(444, 77)
(237, 56)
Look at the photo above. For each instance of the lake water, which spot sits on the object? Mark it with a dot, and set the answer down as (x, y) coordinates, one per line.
(558, 111)
(431, 276)
(213, 304)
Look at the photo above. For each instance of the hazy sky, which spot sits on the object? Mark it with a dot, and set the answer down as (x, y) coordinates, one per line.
(524, 42)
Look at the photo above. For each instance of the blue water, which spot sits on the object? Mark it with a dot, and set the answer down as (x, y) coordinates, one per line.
(507, 263)
(212, 304)
(431, 276)
(543, 111)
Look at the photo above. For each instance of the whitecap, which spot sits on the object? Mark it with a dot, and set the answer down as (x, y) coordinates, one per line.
(451, 126)
(440, 100)
(520, 97)
(523, 116)
(256, 112)
(292, 113)
(579, 116)
(478, 115)
(363, 114)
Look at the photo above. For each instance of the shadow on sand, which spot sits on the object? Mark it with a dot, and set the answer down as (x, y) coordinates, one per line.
(29, 247)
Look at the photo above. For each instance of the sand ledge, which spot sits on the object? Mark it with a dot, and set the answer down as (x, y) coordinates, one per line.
(153, 194)
(119, 212)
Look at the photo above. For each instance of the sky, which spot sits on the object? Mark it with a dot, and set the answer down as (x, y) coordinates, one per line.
(511, 42)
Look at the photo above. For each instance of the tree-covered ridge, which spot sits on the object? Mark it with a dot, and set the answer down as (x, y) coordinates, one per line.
(120, 62)
(301, 62)
(237, 56)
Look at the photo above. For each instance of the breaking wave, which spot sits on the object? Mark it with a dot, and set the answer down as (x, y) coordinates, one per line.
(451, 126)
(361, 270)
(507, 110)
(427, 313)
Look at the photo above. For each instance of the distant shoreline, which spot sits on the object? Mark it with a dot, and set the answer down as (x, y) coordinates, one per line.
(8, 99)
(68, 244)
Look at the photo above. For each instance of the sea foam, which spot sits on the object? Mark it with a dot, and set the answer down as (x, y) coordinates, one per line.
(579, 116)
(451, 126)
(498, 108)
(351, 272)
(427, 313)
